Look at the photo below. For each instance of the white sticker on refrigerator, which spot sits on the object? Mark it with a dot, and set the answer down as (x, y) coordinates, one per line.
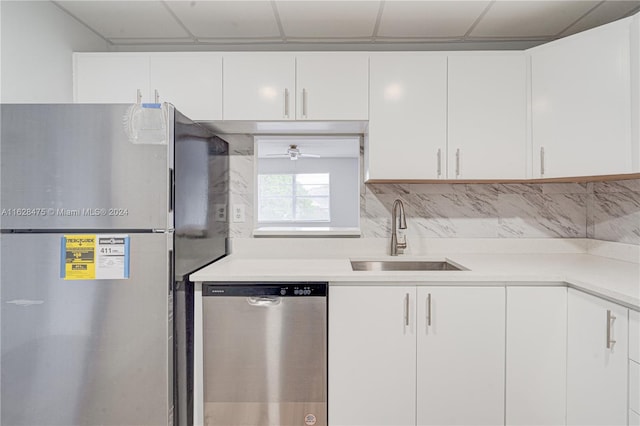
(95, 257)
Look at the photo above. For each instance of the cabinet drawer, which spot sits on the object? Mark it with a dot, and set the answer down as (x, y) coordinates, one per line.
(634, 386)
(634, 335)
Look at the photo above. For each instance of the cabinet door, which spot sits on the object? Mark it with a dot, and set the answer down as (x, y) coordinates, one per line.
(536, 355)
(581, 104)
(190, 81)
(596, 374)
(372, 356)
(408, 117)
(110, 78)
(461, 354)
(332, 87)
(487, 116)
(259, 87)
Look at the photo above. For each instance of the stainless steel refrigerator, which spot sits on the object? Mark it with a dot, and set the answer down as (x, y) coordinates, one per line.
(105, 210)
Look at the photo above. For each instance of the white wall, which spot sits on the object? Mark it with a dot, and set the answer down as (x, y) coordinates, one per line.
(37, 39)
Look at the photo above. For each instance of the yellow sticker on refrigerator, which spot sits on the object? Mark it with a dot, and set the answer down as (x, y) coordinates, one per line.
(94, 257)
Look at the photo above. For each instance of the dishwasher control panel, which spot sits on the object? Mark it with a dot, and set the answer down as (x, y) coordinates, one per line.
(282, 289)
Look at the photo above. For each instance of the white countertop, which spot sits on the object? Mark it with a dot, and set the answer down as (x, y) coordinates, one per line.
(616, 280)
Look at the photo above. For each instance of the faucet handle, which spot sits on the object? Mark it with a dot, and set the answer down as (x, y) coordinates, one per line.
(402, 244)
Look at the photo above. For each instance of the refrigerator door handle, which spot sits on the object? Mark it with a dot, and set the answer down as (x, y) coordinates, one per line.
(172, 188)
(171, 273)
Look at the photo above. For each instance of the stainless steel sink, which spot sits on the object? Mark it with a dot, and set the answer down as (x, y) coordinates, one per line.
(404, 265)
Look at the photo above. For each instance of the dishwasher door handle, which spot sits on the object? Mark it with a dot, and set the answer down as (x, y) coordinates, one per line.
(264, 300)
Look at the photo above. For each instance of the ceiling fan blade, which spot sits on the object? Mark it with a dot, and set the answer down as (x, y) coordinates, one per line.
(309, 155)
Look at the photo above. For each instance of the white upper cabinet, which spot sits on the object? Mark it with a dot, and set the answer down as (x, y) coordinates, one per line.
(408, 116)
(635, 87)
(332, 86)
(487, 123)
(581, 104)
(272, 86)
(597, 361)
(259, 86)
(192, 82)
(110, 78)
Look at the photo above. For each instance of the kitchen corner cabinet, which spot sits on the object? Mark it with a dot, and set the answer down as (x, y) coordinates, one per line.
(391, 348)
(597, 361)
(259, 86)
(408, 116)
(581, 99)
(332, 86)
(487, 116)
(192, 82)
(536, 356)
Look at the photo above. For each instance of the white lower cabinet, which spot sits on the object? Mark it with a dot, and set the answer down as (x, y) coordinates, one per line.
(634, 368)
(536, 355)
(401, 355)
(597, 361)
(461, 350)
(372, 355)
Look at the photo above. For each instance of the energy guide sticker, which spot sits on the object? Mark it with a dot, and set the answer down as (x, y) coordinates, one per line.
(94, 257)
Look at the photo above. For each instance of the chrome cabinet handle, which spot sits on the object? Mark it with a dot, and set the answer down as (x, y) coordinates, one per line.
(542, 161)
(439, 162)
(156, 96)
(138, 96)
(406, 310)
(610, 319)
(304, 103)
(457, 162)
(429, 310)
(286, 103)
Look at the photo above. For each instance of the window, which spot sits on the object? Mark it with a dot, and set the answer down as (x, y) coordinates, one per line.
(303, 197)
(307, 185)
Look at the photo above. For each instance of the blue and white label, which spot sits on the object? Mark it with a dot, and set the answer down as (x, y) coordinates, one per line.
(112, 257)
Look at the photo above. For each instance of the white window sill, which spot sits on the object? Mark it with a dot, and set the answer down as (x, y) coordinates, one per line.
(305, 231)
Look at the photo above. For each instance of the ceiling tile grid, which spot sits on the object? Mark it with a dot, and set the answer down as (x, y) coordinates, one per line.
(328, 23)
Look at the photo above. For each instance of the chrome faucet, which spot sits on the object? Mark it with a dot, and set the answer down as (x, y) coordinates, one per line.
(395, 245)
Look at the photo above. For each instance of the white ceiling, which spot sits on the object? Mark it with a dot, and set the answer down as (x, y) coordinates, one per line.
(330, 24)
(325, 147)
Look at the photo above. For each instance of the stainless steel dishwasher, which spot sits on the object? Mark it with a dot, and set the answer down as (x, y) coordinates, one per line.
(265, 353)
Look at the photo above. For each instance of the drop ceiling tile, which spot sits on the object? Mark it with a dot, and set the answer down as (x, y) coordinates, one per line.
(227, 19)
(608, 11)
(126, 19)
(530, 18)
(429, 19)
(328, 18)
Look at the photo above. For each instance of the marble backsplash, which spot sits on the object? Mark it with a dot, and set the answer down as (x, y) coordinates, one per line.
(600, 210)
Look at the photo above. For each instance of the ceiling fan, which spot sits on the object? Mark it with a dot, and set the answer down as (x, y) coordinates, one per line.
(293, 153)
